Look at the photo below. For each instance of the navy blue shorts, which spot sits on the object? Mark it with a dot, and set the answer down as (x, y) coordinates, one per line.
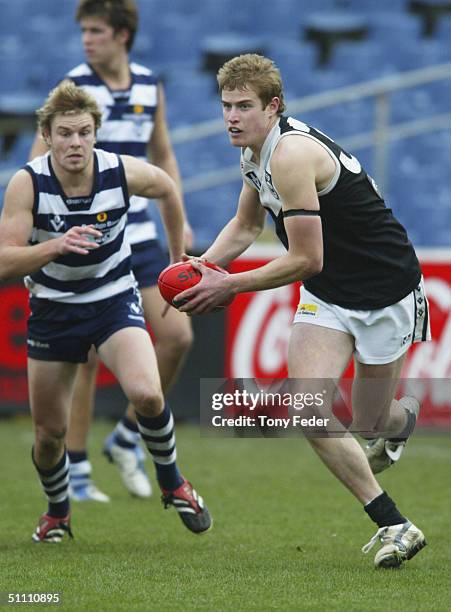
(66, 332)
(148, 260)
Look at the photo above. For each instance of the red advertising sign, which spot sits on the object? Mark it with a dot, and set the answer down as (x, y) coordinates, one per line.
(259, 324)
(14, 311)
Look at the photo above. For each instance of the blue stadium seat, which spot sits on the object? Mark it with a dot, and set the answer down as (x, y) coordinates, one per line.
(364, 60)
(370, 7)
(418, 194)
(170, 40)
(191, 96)
(296, 62)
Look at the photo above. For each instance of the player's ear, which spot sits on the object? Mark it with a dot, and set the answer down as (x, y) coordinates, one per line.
(123, 35)
(274, 105)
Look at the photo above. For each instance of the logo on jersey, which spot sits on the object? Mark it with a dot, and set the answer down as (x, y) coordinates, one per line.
(350, 162)
(271, 188)
(310, 310)
(57, 223)
(138, 109)
(254, 178)
(102, 217)
(80, 202)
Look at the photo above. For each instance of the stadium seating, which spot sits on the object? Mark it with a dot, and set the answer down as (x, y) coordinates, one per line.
(171, 39)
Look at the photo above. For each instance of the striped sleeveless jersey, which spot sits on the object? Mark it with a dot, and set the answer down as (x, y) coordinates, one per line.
(127, 124)
(105, 271)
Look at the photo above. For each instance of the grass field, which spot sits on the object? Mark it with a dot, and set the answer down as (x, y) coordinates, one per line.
(286, 535)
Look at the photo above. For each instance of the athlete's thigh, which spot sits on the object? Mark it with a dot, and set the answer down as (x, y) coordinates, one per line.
(130, 355)
(374, 388)
(174, 325)
(317, 358)
(51, 386)
(318, 352)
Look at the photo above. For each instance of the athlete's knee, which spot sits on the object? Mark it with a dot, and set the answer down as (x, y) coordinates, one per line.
(148, 401)
(176, 341)
(49, 439)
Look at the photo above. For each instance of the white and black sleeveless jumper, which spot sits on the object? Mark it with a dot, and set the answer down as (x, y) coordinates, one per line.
(368, 262)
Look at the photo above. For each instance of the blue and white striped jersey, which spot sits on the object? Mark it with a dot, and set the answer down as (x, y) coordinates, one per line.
(127, 124)
(104, 272)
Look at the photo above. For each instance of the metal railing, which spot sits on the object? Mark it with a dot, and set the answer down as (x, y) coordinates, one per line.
(383, 132)
(378, 138)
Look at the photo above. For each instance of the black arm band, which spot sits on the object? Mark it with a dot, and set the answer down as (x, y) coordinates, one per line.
(295, 212)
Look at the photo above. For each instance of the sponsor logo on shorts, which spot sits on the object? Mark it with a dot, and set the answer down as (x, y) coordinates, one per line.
(37, 344)
(136, 312)
(310, 310)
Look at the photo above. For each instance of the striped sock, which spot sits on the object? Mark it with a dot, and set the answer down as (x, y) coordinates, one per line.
(55, 483)
(159, 437)
(80, 469)
(126, 433)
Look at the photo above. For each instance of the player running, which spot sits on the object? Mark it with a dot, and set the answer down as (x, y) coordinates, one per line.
(362, 295)
(63, 226)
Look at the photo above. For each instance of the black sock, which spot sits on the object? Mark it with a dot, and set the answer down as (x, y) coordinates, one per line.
(77, 456)
(383, 511)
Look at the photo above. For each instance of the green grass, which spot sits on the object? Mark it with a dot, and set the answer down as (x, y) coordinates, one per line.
(287, 536)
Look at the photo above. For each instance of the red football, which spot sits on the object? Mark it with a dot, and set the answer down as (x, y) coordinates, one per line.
(180, 276)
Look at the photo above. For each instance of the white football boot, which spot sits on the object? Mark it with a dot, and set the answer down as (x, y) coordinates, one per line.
(382, 452)
(130, 463)
(399, 543)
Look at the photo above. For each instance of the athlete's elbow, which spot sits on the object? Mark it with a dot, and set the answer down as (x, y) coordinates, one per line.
(313, 266)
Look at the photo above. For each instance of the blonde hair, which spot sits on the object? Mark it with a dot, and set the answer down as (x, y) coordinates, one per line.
(256, 71)
(67, 99)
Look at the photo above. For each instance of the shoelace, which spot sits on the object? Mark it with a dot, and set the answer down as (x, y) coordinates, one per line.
(377, 536)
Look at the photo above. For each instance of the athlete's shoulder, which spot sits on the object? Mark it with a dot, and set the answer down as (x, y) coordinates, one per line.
(143, 72)
(79, 71)
(39, 165)
(106, 160)
(136, 68)
(290, 124)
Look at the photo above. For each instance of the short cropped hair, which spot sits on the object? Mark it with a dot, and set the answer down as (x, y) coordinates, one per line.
(67, 99)
(256, 71)
(119, 14)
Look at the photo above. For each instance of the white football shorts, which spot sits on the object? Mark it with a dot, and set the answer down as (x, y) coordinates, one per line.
(382, 335)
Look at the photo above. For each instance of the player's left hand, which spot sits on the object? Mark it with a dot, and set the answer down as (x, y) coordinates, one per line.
(213, 291)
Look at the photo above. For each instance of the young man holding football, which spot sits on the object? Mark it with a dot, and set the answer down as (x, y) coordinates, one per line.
(361, 279)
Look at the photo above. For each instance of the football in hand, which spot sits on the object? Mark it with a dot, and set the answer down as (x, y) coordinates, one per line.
(180, 276)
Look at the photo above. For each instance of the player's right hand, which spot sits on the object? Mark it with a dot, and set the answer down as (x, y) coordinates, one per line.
(79, 240)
